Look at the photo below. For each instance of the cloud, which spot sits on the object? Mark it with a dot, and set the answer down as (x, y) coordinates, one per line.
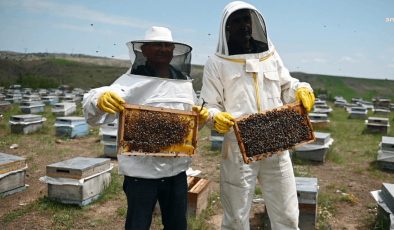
(82, 13)
(314, 60)
(348, 59)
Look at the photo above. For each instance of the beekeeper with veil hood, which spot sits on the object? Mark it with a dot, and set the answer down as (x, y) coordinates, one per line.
(159, 77)
(247, 76)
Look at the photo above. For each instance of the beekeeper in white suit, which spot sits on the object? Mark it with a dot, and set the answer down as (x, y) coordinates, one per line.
(246, 76)
(158, 77)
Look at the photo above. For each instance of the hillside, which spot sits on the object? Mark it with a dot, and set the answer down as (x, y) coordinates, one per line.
(44, 70)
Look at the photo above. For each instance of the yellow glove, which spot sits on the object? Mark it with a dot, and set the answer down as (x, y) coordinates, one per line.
(223, 122)
(306, 97)
(202, 113)
(110, 102)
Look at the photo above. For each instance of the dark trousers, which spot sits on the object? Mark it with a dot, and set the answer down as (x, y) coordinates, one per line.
(142, 195)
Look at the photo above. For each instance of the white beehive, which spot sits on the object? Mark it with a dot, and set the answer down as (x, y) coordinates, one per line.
(79, 180)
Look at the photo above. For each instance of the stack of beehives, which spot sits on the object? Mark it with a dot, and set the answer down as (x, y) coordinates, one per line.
(109, 133)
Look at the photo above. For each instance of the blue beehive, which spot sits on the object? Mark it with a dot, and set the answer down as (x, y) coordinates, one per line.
(216, 140)
(50, 99)
(71, 127)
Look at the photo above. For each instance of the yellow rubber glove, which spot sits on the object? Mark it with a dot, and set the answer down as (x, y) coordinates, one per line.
(223, 121)
(202, 114)
(306, 97)
(110, 102)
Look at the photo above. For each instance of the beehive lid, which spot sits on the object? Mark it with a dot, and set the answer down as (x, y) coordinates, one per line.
(322, 138)
(78, 167)
(306, 184)
(358, 109)
(70, 120)
(386, 156)
(378, 120)
(10, 162)
(318, 116)
(156, 131)
(263, 134)
(387, 140)
(26, 118)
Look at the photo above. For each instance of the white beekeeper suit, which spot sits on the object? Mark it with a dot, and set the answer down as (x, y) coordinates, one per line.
(245, 84)
(152, 91)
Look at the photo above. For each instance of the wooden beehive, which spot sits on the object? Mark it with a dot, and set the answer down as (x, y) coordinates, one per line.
(78, 167)
(12, 174)
(10, 163)
(198, 194)
(156, 131)
(263, 134)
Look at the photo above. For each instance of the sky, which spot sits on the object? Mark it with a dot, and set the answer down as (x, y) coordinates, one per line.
(346, 38)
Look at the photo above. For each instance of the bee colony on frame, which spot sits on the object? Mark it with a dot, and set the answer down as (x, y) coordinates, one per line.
(261, 135)
(147, 130)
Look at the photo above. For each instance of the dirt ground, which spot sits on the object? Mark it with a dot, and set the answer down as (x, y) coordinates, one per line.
(348, 215)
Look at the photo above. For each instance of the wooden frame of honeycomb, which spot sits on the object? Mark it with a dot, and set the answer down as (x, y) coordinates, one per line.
(263, 134)
(156, 131)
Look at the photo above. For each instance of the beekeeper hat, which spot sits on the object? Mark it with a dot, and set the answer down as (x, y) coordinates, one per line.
(159, 34)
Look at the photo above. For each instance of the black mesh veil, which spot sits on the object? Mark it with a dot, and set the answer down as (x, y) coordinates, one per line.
(180, 61)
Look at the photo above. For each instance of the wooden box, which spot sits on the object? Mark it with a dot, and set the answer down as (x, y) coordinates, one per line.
(12, 182)
(12, 174)
(198, 194)
(80, 194)
(307, 192)
(78, 167)
(146, 130)
(263, 134)
(10, 163)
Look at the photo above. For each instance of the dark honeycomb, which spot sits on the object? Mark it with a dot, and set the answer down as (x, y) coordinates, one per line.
(273, 131)
(151, 131)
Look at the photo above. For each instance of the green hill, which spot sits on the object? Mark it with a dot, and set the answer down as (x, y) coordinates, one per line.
(44, 70)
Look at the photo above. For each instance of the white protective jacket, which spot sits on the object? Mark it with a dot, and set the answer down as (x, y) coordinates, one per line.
(144, 90)
(246, 84)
